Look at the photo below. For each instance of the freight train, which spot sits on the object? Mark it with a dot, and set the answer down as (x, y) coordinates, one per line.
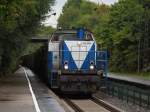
(72, 61)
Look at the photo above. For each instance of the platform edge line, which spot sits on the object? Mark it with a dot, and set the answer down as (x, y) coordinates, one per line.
(32, 93)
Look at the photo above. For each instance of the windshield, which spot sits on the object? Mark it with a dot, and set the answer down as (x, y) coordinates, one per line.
(71, 36)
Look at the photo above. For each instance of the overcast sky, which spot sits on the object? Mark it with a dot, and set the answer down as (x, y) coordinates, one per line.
(52, 20)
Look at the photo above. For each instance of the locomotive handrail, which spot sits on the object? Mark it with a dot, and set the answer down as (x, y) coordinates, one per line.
(78, 51)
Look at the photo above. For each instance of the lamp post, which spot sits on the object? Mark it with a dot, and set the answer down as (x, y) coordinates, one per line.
(139, 45)
(49, 15)
(139, 48)
(44, 17)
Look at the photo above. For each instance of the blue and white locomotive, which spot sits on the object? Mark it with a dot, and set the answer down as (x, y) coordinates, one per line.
(74, 64)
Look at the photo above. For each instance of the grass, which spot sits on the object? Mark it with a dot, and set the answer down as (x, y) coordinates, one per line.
(144, 75)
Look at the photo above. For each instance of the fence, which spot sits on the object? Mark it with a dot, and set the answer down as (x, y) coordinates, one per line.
(128, 93)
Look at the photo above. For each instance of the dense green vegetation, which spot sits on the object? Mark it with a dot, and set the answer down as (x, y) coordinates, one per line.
(18, 22)
(41, 32)
(44, 31)
(123, 29)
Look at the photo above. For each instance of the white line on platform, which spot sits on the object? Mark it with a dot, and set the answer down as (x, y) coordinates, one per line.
(32, 93)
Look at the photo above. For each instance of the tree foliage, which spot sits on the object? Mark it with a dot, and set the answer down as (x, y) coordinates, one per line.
(18, 20)
(122, 28)
(43, 31)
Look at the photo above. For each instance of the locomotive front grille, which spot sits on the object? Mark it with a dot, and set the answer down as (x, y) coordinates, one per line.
(79, 83)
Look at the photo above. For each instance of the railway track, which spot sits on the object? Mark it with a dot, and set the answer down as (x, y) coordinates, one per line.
(108, 106)
(92, 104)
(75, 107)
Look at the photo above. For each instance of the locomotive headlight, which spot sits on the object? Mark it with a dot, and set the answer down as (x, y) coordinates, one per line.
(92, 65)
(66, 65)
(79, 43)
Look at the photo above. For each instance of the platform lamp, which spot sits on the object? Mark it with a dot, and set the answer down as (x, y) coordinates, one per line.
(49, 15)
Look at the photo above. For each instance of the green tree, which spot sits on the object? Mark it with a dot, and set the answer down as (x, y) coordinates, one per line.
(123, 29)
(18, 20)
(83, 13)
(126, 26)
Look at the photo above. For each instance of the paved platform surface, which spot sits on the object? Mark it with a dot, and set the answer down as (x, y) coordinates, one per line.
(130, 79)
(15, 94)
(45, 97)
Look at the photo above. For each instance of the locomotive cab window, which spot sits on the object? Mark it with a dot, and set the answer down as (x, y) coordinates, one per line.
(89, 37)
(72, 35)
(64, 36)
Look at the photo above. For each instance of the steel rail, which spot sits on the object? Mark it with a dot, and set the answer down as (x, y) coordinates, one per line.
(96, 100)
(75, 107)
(104, 104)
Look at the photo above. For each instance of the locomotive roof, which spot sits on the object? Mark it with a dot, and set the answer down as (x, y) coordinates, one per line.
(70, 34)
(69, 31)
(65, 31)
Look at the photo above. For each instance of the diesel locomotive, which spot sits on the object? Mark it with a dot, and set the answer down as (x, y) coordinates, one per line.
(73, 62)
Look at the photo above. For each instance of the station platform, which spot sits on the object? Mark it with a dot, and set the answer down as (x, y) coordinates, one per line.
(133, 79)
(23, 92)
(15, 95)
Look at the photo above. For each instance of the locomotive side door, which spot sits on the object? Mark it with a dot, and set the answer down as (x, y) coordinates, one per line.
(55, 59)
(54, 48)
